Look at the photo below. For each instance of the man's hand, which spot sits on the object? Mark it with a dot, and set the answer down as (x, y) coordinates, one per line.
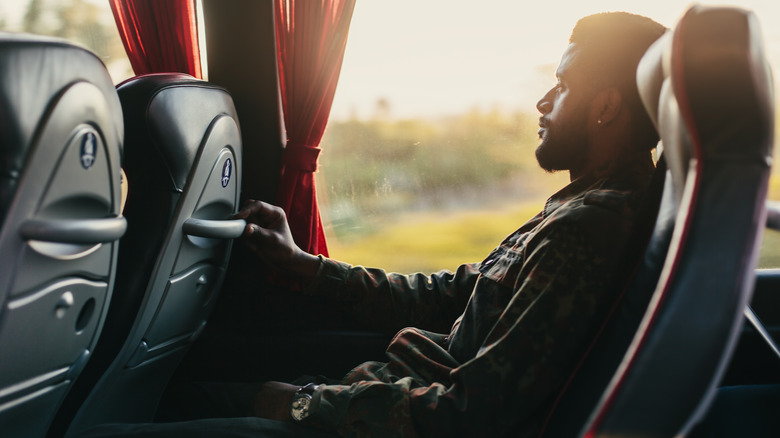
(267, 233)
(273, 401)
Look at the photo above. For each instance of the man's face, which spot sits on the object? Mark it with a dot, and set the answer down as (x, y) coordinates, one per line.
(564, 121)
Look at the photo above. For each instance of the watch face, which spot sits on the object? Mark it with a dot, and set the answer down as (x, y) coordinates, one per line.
(300, 406)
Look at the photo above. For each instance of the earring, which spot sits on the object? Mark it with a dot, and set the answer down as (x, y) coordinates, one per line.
(599, 121)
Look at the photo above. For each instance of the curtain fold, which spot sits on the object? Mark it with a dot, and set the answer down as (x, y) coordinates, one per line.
(159, 36)
(311, 36)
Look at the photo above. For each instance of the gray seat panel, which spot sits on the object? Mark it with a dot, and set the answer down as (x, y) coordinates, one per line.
(183, 155)
(59, 209)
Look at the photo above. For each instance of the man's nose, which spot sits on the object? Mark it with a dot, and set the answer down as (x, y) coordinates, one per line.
(545, 104)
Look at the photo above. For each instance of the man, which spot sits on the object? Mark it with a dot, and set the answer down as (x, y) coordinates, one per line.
(531, 306)
(514, 326)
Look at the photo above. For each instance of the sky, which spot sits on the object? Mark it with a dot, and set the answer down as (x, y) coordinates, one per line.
(439, 57)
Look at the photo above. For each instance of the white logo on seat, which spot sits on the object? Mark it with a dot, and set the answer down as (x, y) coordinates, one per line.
(88, 150)
(227, 170)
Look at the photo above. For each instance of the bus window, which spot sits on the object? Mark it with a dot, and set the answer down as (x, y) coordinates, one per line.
(86, 22)
(428, 159)
(427, 193)
(769, 257)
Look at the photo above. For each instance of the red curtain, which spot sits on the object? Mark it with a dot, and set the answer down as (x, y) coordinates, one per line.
(159, 36)
(311, 36)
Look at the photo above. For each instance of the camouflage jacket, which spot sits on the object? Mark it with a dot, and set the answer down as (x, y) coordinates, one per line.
(513, 326)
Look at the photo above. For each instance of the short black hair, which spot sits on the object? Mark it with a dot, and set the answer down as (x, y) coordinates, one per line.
(613, 43)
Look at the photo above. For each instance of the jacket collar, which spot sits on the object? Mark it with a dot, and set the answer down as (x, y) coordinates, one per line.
(635, 169)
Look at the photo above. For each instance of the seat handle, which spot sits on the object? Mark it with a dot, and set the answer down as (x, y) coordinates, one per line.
(74, 231)
(214, 229)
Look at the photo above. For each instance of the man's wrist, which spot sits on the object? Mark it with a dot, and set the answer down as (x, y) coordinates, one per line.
(308, 265)
(301, 266)
(300, 407)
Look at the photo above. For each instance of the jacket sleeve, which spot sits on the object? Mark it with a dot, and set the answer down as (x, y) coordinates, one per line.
(560, 293)
(390, 301)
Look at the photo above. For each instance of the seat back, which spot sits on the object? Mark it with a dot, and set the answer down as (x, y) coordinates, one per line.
(183, 158)
(651, 372)
(60, 148)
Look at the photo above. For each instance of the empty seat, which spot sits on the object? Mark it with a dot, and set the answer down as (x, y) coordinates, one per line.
(60, 150)
(655, 366)
(183, 161)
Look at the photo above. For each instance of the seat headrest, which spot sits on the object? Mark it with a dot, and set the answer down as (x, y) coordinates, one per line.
(169, 113)
(686, 99)
(34, 73)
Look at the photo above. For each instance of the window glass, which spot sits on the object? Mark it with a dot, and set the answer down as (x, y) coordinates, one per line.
(769, 257)
(86, 22)
(428, 194)
(428, 160)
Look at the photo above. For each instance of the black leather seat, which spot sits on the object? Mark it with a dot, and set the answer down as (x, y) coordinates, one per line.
(183, 161)
(653, 370)
(60, 149)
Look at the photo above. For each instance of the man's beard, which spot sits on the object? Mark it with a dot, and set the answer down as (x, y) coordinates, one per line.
(546, 162)
(555, 153)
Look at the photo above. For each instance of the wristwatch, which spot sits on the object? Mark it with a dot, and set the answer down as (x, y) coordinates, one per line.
(299, 408)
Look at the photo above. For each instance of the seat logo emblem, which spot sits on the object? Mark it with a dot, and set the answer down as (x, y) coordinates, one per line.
(227, 170)
(88, 149)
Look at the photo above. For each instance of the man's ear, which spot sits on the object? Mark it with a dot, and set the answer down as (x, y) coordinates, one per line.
(607, 106)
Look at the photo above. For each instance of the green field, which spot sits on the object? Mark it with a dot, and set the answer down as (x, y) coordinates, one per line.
(770, 250)
(428, 242)
(770, 245)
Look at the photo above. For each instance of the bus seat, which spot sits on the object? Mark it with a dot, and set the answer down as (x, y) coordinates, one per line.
(60, 151)
(182, 160)
(654, 368)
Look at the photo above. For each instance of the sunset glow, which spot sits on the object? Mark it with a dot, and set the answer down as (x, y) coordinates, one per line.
(438, 57)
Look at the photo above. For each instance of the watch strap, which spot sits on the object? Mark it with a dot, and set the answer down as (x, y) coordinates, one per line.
(309, 388)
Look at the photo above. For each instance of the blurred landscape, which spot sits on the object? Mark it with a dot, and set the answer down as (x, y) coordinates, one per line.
(429, 194)
(85, 22)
